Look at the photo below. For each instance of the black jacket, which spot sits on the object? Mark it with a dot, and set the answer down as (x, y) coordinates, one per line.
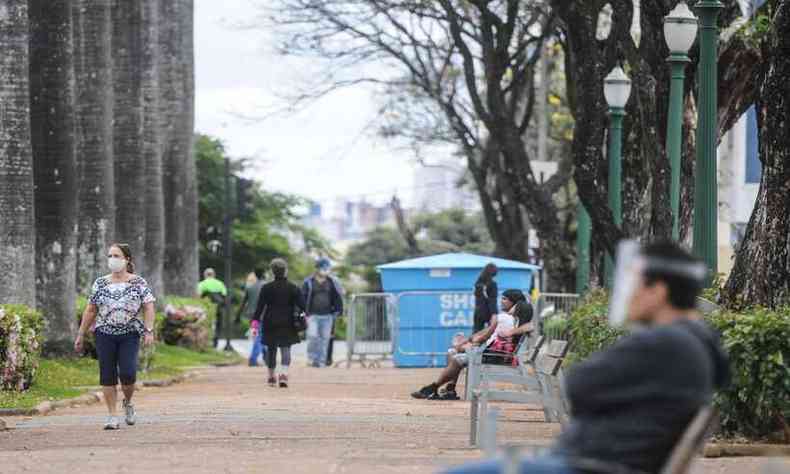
(278, 303)
(335, 294)
(631, 403)
(486, 295)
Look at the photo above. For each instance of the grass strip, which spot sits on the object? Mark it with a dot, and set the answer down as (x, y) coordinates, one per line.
(58, 379)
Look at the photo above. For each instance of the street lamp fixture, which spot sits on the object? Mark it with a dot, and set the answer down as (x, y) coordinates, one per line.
(705, 177)
(616, 90)
(680, 31)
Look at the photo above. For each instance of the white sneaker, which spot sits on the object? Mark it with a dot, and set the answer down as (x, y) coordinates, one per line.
(112, 423)
(128, 408)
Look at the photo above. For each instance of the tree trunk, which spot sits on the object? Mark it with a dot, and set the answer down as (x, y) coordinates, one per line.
(152, 150)
(406, 232)
(130, 176)
(94, 131)
(761, 275)
(179, 168)
(17, 232)
(52, 137)
(507, 226)
(187, 149)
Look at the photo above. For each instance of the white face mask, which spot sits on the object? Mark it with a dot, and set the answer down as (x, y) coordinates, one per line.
(116, 264)
(323, 272)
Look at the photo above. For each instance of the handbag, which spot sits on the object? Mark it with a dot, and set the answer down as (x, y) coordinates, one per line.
(300, 322)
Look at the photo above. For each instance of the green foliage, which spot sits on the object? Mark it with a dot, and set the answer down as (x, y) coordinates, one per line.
(556, 327)
(758, 28)
(758, 342)
(258, 237)
(589, 326)
(453, 230)
(341, 328)
(190, 332)
(20, 346)
(713, 293)
(381, 245)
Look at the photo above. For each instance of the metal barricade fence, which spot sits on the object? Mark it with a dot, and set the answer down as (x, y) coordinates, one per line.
(553, 310)
(369, 332)
(426, 323)
(417, 327)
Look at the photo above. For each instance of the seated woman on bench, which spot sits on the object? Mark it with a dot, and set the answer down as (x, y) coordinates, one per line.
(500, 340)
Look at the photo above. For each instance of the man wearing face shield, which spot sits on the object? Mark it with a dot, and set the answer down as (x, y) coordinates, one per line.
(631, 402)
(324, 301)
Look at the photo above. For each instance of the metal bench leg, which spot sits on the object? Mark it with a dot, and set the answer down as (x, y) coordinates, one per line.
(489, 433)
(545, 391)
(481, 417)
(512, 458)
(473, 414)
(465, 373)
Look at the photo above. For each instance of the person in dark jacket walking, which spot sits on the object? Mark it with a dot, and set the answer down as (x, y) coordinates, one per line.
(249, 304)
(631, 403)
(324, 299)
(277, 308)
(486, 294)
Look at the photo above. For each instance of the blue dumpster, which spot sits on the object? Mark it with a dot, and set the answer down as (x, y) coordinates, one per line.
(435, 301)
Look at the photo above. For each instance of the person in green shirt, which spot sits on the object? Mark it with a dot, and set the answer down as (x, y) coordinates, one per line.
(215, 290)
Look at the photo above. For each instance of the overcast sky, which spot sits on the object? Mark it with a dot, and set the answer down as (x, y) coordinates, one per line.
(321, 152)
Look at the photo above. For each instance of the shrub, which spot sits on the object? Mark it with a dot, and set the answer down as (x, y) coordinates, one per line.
(189, 323)
(20, 346)
(757, 403)
(589, 326)
(556, 326)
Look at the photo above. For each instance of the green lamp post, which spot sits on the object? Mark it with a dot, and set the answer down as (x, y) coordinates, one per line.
(616, 90)
(705, 182)
(583, 237)
(680, 30)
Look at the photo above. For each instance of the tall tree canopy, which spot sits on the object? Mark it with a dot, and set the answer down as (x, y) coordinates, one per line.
(271, 229)
(471, 66)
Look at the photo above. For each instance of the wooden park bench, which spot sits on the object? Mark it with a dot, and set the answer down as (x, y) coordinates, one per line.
(537, 383)
(679, 461)
(476, 370)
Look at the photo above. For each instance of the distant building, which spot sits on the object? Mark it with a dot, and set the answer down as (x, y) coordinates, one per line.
(348, 221)
(739, 171)
(439, 187)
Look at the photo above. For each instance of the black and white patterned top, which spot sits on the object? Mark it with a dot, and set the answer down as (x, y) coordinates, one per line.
(119, 305)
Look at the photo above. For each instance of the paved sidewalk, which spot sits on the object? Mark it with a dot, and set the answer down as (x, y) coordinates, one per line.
(227, 420)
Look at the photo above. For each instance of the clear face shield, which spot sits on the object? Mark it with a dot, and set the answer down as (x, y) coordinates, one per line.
(631, 265)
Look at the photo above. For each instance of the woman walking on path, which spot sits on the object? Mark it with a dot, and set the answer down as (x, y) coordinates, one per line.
(277, 309)
(486, 294)
(115, 305)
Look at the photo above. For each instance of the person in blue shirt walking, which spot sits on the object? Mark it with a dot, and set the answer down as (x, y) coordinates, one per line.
(252, 291)
(324, 301)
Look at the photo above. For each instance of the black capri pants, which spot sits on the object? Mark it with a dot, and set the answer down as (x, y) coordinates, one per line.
(117, 358)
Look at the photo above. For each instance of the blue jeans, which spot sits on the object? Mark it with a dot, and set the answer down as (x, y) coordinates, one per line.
(258, 350)
(319, 330)
(550, 464)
